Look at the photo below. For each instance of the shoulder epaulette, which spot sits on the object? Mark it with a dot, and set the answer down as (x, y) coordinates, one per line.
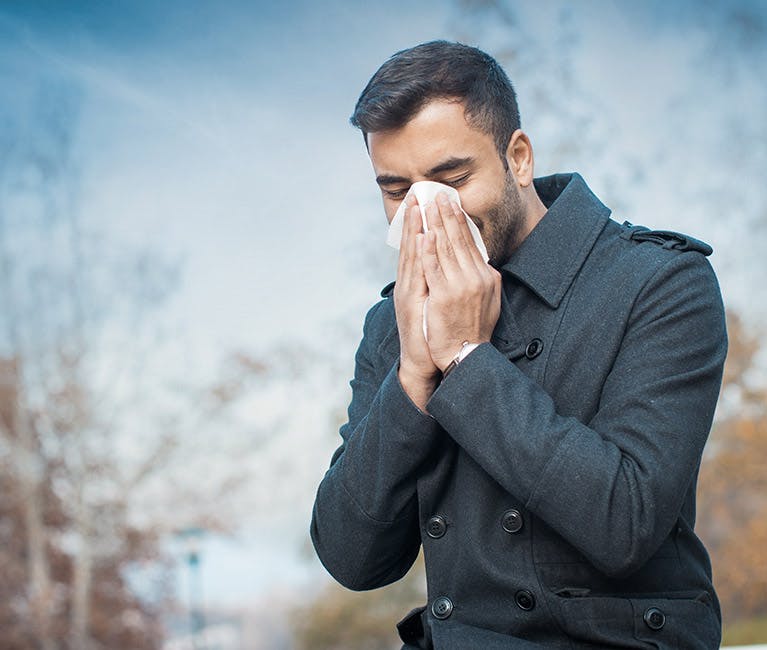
(665, 238)
(388, 290)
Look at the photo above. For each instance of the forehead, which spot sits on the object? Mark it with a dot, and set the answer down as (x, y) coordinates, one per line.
(439, 131)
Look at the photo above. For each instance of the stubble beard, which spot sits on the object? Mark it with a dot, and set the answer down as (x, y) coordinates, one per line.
(504, 224)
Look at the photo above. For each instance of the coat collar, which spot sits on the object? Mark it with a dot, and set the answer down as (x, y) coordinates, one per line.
(548, 260)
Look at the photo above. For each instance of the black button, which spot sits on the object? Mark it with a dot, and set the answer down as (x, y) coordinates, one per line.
(442, 607)
(534, 348)
(436, 527)
(512, 521)
(525, 600)
(654, 618)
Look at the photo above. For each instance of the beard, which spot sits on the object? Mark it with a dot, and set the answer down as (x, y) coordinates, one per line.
(503, 224)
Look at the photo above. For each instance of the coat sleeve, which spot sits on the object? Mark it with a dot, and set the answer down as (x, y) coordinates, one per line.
(612, 487)
(365, 525)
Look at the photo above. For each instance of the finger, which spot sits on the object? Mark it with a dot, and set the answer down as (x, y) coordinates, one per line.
(418, 262)
(409, 271)
(405, 251)
(453, 221)
(433, 270)
(446, 252)
(457, 229)
(410, 227)
(403, 246)
(410, 201)
(458, 232)
(437, 226)
(416, 282)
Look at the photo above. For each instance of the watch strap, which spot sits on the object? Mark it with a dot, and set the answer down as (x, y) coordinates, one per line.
(466, 349)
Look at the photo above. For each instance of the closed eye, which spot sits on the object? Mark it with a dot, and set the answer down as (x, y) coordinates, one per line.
(456, 182)
(395, 194)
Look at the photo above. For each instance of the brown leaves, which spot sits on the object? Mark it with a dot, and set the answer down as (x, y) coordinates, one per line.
(732, 499)
(339, 619)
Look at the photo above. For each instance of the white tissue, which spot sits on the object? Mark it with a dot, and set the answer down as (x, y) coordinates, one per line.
(426, 192)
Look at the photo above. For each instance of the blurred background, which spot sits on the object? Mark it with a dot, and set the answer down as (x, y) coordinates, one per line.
(190, 236)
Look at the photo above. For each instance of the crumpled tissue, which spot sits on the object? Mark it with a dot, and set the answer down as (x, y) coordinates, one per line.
(426, 192)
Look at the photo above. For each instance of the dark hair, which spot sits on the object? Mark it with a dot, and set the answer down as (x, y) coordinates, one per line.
(410, 79)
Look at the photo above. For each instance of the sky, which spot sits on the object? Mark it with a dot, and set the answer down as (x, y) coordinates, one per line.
(221, 137)
(216, 134)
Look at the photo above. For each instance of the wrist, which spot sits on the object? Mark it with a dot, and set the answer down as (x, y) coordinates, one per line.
(418, 386)
(418, 372)
(417, 379)
(466, 349)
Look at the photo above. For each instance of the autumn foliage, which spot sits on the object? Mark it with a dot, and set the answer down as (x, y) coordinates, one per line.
(732, 499)
(38, 614)
(339, 619)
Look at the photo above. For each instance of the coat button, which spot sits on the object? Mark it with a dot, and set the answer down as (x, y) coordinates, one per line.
(534, 348)
(512, 521)
(524, 599)
(654, 618)
(442, 607)
(436, 527)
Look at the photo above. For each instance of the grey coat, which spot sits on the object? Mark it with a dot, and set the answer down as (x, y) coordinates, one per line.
(553, 484)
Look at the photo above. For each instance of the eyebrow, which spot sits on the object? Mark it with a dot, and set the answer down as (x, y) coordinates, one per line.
(389, 179)
(446, 166)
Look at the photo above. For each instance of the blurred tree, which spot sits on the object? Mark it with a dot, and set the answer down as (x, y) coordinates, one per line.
(338, 619)
(65, 505)
(732, 505)
(100, 457)
(36, 610)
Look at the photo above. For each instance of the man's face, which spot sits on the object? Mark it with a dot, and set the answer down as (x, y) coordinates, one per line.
(438, 144)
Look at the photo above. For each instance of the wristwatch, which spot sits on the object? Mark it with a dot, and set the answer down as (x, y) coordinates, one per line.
(466, 348)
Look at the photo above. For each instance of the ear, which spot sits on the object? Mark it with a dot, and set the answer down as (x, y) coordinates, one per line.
(519, 155)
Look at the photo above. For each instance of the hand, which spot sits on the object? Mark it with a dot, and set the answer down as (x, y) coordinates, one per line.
(417, 372)
(464, 291)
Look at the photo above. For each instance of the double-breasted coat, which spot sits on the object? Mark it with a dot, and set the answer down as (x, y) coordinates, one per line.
(552, 482)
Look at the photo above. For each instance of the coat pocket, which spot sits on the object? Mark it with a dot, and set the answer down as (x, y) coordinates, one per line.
(677, 621)
(411, 629)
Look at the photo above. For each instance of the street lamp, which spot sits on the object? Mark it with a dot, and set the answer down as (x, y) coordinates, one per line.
(192, 541)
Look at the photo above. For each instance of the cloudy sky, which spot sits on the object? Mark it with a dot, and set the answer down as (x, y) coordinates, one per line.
(216, 133)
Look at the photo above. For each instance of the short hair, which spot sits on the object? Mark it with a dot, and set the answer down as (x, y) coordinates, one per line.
(411, 78)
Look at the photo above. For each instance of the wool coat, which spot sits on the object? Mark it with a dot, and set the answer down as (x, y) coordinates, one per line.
(552, 482)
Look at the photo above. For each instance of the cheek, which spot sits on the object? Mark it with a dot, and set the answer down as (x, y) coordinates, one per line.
(479, 199)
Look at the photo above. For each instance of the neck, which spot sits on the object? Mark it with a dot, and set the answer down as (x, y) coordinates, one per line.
(534, 210)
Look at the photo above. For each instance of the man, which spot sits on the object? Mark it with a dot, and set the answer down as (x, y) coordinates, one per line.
(543, 443)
